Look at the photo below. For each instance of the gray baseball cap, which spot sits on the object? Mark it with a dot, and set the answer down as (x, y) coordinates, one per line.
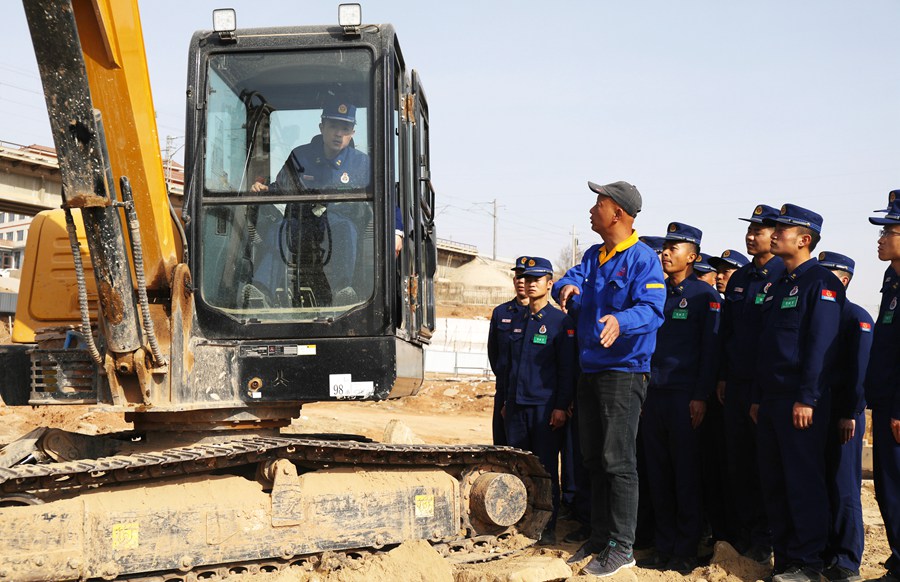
(625, 195)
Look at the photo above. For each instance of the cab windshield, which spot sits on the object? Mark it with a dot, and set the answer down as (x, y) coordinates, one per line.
(286, 208)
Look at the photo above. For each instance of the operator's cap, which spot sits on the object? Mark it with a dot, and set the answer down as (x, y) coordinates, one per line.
(520, 264)
(892, 195)
(680, 232)
(701, 265)
(794, 215)
(340, 110)
(537, 267)
(730, 259)
(762, 214)
(837, 261)
(654, 242)
(892, 216)
(625, 195)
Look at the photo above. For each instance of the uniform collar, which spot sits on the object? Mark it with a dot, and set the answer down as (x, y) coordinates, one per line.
(802, 268)
(605, 255)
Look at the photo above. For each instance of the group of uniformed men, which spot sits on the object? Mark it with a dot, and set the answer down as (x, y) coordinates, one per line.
(752, 413)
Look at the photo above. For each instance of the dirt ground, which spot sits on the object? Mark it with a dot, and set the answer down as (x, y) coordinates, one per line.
(446, 411)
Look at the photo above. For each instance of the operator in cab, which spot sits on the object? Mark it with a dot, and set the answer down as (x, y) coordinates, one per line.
(330, 159)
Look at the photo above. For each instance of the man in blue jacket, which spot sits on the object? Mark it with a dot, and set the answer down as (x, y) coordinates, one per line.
(843, 457)
(795, 368)
(619, 285)
(683, 376)
(882, 387)
(502, 321)
(541, 381)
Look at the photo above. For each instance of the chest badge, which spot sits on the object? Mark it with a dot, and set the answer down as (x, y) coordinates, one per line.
(893, 304)
(345, 178)
(766, 288)
(794, 291)
(543, 329)
(683, 303)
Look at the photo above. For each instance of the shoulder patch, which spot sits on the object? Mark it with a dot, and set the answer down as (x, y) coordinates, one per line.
(714, 306)
(828, 295)
(865, 326)
(570, 332)
(656, 286)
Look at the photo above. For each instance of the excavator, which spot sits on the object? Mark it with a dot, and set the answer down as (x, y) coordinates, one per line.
(209, 327)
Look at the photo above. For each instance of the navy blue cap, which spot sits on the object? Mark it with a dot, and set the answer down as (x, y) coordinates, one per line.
(701, 265)
(762, 213)
(678, 231)
(794, 215)
(892, 216)
(654, 242)
(340, 110)
(537, 267)
(832, 260)
(520, 263)
(892, 195)
(730, 259)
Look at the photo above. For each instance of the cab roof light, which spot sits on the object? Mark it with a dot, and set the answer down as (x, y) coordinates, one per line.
(350, 18)
(225, 22)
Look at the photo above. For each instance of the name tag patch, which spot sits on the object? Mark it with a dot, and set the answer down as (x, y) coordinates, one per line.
(760, 297)
(539, 339)
(788, 302)
(680, 314)
(888, 317)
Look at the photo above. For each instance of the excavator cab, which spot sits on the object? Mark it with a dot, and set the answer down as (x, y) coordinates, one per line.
(305, 238)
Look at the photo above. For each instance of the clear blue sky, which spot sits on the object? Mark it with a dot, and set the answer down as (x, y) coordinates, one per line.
(709, 107)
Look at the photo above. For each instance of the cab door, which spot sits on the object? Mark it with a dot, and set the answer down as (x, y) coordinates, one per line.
(423, 209)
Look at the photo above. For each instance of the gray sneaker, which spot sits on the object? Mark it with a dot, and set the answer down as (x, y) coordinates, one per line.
(609, 561)
(797, 574)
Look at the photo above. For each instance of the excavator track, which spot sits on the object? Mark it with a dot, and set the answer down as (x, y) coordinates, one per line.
(473, 540)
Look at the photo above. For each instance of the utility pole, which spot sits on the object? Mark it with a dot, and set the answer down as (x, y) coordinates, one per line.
(574, 246)
(494, 253)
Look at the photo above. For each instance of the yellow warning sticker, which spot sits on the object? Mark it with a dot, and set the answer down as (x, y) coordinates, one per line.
(424, 505)
(125, 536)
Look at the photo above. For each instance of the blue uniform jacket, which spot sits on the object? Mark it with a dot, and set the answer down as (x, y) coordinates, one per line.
(350, 168)
(883, 375)
(686, 344)
(542, 359)
(848, 399)
(742, 318)
(797, 351)
(502, 320)
(630, 286)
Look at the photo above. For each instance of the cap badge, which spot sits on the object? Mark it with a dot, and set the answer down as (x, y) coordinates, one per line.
(531, 263)
(784, 209)
(683, 303)
(672, 227)
(542, 329)
(523, 260)
(757, 210)
(794, 291)
(342, 109)
(893, 304)
(345, 178)
(822, 256)
(892, 196)
(726, 254)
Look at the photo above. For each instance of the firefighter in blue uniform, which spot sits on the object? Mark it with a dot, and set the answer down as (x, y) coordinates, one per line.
(739, 336)
(791, 395)
(542, 360)
(704, 271)
(682, 377)
(882, 388)
(725, 266)
(843, 456)
(502, 319)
